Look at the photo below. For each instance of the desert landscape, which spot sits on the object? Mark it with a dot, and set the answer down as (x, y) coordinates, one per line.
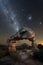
(6, 59)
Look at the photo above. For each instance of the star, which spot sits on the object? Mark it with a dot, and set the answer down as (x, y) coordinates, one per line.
(17, 28)
(30, 17)
(15, 23)
(40, 23)
(22, 9)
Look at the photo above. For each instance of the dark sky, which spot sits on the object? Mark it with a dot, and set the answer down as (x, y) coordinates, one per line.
(15, 14)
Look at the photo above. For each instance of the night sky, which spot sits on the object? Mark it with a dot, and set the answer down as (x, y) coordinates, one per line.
(15, 14)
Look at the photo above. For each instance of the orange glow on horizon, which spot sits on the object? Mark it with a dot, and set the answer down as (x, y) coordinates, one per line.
(39, 42)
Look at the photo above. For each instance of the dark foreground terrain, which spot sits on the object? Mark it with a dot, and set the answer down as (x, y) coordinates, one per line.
(6, 59)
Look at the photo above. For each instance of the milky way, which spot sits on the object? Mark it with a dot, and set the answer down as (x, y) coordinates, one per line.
(15, 14)
(10, 15)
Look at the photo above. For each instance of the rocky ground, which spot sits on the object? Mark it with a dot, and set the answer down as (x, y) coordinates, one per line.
(7, 60)
(24, 58)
